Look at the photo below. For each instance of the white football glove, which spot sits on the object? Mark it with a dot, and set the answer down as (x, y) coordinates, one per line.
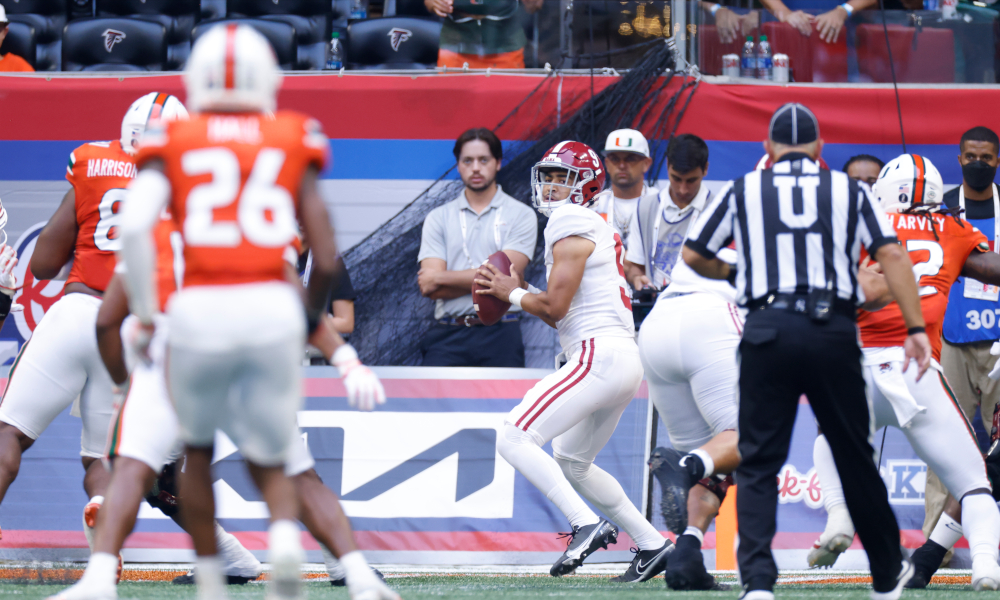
(364, 390)
(995, 351)
(138, 337)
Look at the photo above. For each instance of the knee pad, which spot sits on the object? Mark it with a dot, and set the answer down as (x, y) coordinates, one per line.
(574, 470)
(511, 438)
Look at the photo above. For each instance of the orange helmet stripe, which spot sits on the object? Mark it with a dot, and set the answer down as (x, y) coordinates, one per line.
(918, 180)
(157, 108)
(231, 56)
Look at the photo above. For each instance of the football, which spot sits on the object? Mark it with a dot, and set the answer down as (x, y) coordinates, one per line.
(490, 308)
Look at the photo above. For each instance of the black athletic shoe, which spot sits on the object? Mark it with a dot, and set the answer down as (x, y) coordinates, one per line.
(926, 560)
(583, 542)
(646, 564)
(343, 580)
(686, 570)
(675, 482)
(188, 579)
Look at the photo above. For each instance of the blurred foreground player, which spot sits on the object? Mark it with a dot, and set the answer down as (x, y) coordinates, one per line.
(61, 363)
(578, 406)
(942, 247)
(236, 183)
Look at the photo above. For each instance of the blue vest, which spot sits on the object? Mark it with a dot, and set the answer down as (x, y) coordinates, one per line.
(969, 320)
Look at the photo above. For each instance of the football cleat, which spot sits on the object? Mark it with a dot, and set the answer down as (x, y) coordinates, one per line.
(675, 482)
(686, 569)
(824, 554)
(188, 579)
(985, 573)
(583, 542)
(926, 560)
(905, 573)
(646, 564)
(342, 581)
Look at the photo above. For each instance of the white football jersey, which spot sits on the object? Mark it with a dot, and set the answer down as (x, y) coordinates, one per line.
(684, 280)
(601, 306)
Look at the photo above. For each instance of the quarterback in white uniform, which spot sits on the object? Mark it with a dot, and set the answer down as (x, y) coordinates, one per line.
(578, 406)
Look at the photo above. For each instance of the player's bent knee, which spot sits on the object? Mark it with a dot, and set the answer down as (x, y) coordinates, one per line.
(12, 434)
(511, 439)
(574, 470)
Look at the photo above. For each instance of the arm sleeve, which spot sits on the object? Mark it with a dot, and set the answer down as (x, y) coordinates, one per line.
(874, 230)
(522, 233)
(432, 241)
(636, 251)
(147, 195)
(713, 230)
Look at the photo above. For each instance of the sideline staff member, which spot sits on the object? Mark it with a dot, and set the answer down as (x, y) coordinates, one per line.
(626, 158)
(798, 229)
(457, 238)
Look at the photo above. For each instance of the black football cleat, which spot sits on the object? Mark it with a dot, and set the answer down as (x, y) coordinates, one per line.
(926, 560)
(675, 483)
(341, 582)
(583, 542)
(686, 570)
(646, 564)
(188, 579)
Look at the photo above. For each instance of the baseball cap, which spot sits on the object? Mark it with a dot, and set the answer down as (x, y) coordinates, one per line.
(627, 140)
(3, 14)
(793, 124)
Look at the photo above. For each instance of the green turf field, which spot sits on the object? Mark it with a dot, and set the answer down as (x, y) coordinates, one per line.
(526, 587)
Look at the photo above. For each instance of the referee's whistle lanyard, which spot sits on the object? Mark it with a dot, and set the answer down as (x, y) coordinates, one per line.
(996, 213)
(496, 232)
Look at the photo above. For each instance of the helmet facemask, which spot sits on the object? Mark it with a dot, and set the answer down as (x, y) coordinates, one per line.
(556, 184)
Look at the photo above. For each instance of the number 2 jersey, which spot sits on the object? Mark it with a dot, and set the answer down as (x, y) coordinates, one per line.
(938, 261)
(235, 182)
(601, 306)
(99, 173)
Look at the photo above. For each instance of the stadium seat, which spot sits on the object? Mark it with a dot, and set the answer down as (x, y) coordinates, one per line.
(393, 43)
(178, 16)
(280, 35)
(20, 40)
(114, 45)
(712, 49)
(810, 58)
(310, 18)
(927, 56)
(47, 18)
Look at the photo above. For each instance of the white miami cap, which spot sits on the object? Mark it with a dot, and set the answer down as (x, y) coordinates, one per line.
(627, 140)
(3, 14)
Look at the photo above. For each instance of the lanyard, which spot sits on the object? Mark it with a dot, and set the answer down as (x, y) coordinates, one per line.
(663, 217)
(496, 232)
(996, 213)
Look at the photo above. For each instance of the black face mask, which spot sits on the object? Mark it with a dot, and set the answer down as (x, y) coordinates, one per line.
(978, 175)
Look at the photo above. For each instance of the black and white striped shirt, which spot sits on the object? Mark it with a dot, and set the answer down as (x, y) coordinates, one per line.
(797, 228)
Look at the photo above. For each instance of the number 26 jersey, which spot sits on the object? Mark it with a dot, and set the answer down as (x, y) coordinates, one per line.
(235, 180)
(938, 260)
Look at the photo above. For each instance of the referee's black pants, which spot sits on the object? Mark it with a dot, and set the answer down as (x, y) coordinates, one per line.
(782, 356)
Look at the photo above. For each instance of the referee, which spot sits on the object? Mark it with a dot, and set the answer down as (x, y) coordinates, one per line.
(798, 231)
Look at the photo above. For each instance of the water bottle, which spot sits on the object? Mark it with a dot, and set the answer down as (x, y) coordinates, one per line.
(748, 59)
(335, 53)
(765, 66)
(359, 9)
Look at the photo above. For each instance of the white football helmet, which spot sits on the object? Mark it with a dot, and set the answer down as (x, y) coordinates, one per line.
(232, 68)
(151, 107)
(909, 181)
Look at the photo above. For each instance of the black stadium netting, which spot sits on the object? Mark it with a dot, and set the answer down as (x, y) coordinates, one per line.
(392, 318)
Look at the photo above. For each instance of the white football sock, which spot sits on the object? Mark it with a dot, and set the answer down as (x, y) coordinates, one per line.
(334, 569)
(359, 574)
(829, 478)
(102, 570)
(236, 559)
(524, 454)
(981, 527)
(604, 492)
(947, 532)
(209, 577)
(694, 531)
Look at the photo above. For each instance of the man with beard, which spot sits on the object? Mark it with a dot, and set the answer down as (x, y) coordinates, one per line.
(457, 237)
(626, 158)
(970, 323)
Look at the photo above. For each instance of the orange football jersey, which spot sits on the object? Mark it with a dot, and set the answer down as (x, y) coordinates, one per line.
(99, 172)
(167, 258)
(235, 189)
(937, 261)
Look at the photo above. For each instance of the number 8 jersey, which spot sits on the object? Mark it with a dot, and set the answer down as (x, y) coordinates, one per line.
(938, 258)
(99, 173)
(601, 306)
(235, 189)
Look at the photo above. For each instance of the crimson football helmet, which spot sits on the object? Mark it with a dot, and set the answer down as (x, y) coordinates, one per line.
(584, 177)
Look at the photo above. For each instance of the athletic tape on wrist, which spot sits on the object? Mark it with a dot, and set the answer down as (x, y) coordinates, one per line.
(516, 295)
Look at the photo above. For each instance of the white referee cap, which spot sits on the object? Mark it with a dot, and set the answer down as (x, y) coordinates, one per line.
(627, 140)
(794, 125)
